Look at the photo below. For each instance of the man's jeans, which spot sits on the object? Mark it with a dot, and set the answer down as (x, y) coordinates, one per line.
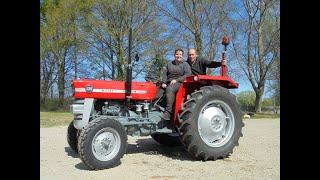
(171, 91)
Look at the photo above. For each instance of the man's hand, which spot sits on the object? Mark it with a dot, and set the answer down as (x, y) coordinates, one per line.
(224, 62)
(173, 81)
(163, 85)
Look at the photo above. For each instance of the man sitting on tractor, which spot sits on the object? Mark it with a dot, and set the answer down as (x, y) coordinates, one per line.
(173, 75)
(199, 64)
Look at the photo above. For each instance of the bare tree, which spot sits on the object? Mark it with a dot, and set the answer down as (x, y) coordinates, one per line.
(262, 41)
(203, 20)
(109, 26)
(57, 39)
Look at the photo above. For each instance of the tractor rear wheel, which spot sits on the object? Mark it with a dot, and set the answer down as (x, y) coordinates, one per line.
(211, 123)
(171, 139)
(72, 137)
(102, 143)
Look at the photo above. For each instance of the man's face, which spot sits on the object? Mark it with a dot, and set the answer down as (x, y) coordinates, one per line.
(178, 56)
(192, 55)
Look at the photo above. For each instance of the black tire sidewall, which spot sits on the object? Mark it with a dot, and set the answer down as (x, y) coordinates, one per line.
(226, 97)
(86, 143)
(72, 137)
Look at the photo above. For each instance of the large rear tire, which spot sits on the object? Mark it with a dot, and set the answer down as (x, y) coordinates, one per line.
(211, 123)
(102, 143)
(172, 139)
(72, 137)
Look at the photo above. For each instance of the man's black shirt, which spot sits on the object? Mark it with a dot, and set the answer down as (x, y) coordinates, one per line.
(200, 65)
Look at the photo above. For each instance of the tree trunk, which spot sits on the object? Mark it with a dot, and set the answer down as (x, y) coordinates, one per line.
(44, 89)
(75, 64)
(258, 101)
(113, 67)
(120, 60)
(61, 85)
(198, 40)
(103, 70)
(102, 57)
(112, 62)
(46, 80)
(51, 92)
(61, 79)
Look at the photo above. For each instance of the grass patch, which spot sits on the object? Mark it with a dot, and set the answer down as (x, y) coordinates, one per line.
(63, 118)
(50, 119)
(262, 115)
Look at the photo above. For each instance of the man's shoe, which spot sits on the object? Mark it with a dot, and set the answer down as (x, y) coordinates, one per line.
(165, 115)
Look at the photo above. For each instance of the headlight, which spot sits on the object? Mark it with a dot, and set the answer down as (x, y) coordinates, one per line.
(195, 78)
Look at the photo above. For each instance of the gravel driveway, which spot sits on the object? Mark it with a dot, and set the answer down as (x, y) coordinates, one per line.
(256, 157)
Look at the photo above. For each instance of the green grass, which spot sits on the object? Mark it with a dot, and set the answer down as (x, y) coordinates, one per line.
(50, 119)
(61, 118)
(261, 115)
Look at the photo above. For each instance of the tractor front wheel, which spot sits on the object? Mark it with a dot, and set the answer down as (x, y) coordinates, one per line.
(102, 143)
(72, 137)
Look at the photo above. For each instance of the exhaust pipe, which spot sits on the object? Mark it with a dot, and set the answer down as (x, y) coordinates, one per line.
(128, 82)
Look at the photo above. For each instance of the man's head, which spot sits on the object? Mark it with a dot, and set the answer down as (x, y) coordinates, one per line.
(192, 55)
(178, 54)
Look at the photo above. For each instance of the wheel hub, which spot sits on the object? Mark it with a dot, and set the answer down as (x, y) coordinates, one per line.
(218, 122)
(215, 123)
(106, 144)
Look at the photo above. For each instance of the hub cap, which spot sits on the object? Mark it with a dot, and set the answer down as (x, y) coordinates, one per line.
(216, 123)
(106, 144)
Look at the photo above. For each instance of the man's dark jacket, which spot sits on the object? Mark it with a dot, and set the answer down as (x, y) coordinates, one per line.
(175, 70)
(200, 65)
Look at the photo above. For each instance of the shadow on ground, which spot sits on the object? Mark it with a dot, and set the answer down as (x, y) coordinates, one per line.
(71, 152)
(151, 147)
(145, 146)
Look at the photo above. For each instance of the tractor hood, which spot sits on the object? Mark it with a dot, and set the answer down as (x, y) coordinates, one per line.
(106, 89)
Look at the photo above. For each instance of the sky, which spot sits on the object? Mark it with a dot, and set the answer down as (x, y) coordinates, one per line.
(244, 84)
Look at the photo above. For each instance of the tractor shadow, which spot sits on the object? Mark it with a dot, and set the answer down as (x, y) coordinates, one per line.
(145, 146)
(151, 147)
(71, 152)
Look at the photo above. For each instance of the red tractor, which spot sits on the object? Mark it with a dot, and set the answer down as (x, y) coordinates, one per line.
(207, 119)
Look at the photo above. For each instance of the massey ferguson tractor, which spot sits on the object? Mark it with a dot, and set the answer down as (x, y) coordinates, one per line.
(207, 120)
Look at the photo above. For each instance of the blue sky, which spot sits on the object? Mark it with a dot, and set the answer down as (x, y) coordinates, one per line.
(244, 84)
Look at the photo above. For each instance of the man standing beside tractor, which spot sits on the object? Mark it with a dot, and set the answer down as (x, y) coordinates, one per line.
(172, 76)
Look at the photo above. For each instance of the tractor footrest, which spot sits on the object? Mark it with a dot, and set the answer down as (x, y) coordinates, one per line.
(164, 130)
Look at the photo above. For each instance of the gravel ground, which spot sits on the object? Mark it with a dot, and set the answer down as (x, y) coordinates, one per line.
(256, 157)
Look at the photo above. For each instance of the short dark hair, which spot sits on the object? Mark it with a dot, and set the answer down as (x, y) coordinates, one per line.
(193, 49)
(179, 49)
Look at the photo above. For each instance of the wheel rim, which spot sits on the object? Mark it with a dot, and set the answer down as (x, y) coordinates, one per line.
(216, 123)
(106, 144)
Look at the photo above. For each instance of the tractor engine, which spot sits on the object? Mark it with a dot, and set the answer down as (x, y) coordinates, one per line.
(111, 109)
(117, 108)
(142, 109)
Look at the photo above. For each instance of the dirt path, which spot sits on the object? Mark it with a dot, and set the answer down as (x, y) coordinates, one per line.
(257, 157)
